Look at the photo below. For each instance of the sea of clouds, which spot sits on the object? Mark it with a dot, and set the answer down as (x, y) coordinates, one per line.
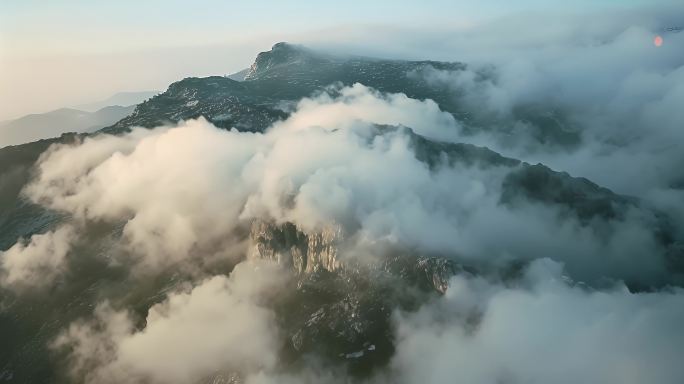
(183, 197)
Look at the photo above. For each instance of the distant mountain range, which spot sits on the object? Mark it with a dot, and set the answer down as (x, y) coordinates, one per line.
(122, 99)
(45, 125)
(80, 119)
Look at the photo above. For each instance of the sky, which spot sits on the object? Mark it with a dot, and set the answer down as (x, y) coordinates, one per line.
(57, 54)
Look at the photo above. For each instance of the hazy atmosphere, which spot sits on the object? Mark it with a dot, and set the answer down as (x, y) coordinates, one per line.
(71, 52)
(377, 192)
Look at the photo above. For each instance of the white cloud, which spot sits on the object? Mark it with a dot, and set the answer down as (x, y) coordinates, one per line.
(609, 84)
(541, 328)
(220, 325)
(185, 196)
(176, 189)
(341, 107)
(544, 331)
(184, 192)
(37, 262)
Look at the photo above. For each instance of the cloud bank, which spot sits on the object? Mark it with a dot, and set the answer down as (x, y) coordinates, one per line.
(552, 303)
(186, 194)
(38, 261)
(602, 92)
(544, 330)
(221, 324)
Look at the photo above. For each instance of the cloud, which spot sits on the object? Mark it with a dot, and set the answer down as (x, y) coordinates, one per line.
(341, 107)
(581, 91)
(545, 330)
(186, 194)
(175, 189)
(183, 192)
(220, 325)
(584, 99)
(540, 328)
(36, 263)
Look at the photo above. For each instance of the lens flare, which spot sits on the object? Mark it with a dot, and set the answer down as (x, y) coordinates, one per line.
(658, 41)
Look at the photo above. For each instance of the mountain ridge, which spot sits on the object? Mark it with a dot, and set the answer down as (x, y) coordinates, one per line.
(51, 124)
(123, 99)
(337, 309)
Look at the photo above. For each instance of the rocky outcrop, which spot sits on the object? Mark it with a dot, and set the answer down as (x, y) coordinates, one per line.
(286, 73)
(281, 54)
(289, 246)
(319, 252)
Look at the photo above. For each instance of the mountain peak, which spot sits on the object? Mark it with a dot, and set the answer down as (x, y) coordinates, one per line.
(281, 53)
(283, 45)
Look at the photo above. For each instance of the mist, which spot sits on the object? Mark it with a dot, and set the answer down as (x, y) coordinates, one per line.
(331, 162)
(526, 226)
(335, 161)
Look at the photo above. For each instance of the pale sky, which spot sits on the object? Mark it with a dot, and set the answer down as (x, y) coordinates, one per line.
(62, 53)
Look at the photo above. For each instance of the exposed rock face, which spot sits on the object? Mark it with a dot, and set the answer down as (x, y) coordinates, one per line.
(281, 54)
(341, 303)
(287, 245)
(319, 252)
(437, 272)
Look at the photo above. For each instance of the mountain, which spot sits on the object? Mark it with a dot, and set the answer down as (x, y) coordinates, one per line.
(286, 73)
(123, 99)
(240, 75)
(43, 125)
(289, 72)
(339, 310)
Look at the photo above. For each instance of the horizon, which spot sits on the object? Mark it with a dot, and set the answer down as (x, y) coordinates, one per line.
(43, 45)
